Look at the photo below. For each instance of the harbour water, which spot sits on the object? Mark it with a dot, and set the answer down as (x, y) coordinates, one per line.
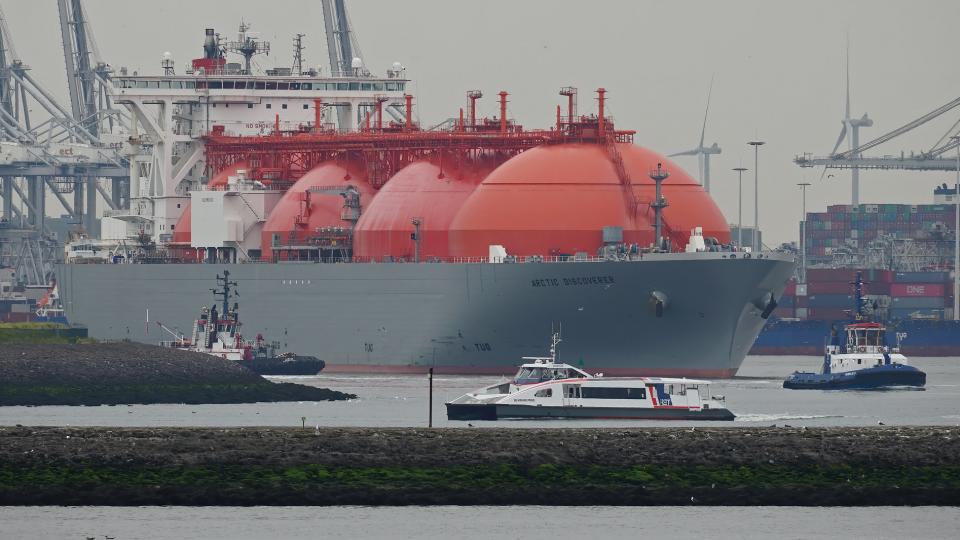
(451, 522)
(756, 396)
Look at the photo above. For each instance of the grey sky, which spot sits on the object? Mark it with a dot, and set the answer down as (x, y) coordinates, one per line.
(778, 67)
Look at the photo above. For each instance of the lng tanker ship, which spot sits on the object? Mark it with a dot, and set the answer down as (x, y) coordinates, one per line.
(363, 239)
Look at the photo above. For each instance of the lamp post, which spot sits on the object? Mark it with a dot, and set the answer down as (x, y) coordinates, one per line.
(803, 231)
(956, 237)
(756, 193)
(740, 170)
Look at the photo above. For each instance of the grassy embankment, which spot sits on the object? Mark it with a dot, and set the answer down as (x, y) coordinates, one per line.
(262, 466)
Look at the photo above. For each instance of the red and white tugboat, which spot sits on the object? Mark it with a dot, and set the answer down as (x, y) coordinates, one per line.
(218, 333)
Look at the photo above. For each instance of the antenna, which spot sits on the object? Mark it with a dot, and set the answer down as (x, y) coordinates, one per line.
(228, 292)
(247, 46)
(298, 54)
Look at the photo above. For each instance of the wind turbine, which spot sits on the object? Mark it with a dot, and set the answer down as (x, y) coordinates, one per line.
(851, 132)
(702, 152)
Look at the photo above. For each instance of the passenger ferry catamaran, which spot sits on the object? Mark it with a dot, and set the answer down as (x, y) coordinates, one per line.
(545, 388)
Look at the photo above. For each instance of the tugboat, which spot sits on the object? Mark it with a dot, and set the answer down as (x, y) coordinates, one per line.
(218, 333)
(545, 388)
(864, 361)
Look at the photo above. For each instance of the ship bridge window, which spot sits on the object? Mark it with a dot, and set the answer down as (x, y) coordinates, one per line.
(546, 392)
(343, 86)
(190, 84)
(392, 86)
(216, 85)
(271, 86)
(259, 85)
(599, 392)
(305, 86)
(141, 84)
(366, 86)
(378, 87)
(228, 85)
(283, 86)
(294, 86)
(165, 84)
(354, 86)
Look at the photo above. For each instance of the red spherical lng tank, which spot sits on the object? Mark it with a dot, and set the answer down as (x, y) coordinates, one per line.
(220, 179)
(420, 190)
(299, 214)
(554, 200)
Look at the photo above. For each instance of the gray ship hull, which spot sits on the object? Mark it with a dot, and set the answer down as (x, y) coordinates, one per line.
(458, 318)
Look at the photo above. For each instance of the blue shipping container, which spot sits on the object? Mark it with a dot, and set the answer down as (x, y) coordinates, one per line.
(907, 313)
(921, 277)
(915, 302)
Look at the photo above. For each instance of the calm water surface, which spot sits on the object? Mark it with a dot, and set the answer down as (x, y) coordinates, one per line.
(452, 522)
(756, 396)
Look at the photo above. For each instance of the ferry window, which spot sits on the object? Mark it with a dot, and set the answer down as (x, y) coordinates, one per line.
(227, 105)
(259, 85)
(228, 85)
(294, 86)
(306, 86)
(165, 84)
(365, 86)
(614, 393)
(214, 105)
(216, 85)
(172, 227)
(378, 87)
(269, 105)
(305, 106)
(284, 106)
(249, 105)
(354, 86)
(178, 85)
(283, 86)
(190, 84)
(391, 87)
(271, 86)
(859, 361)
(402, 85)
(155, 84)
(178, 205)
(141, 84)
(546, 392)
(343, 86)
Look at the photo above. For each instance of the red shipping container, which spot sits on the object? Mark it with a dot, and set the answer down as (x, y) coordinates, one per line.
(877, 287)
(791, 288)
(828, 287)
(917, 289)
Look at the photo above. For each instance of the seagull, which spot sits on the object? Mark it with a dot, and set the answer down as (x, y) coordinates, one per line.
(469, 424)
(879, 423)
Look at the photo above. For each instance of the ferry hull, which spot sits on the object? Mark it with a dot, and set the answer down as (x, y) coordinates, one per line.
(459, 318)
(488, 411)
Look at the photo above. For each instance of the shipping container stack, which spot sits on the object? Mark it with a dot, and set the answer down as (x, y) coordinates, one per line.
(828, 295)
(851, 228)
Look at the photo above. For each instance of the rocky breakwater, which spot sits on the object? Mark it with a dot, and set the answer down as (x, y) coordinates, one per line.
(343, 466)
(128, 373)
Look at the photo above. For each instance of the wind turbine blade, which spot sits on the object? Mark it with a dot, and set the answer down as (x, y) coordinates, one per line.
(846, 111)
(706, 112)
(694, 152)
(700, 167)
(843, 135)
